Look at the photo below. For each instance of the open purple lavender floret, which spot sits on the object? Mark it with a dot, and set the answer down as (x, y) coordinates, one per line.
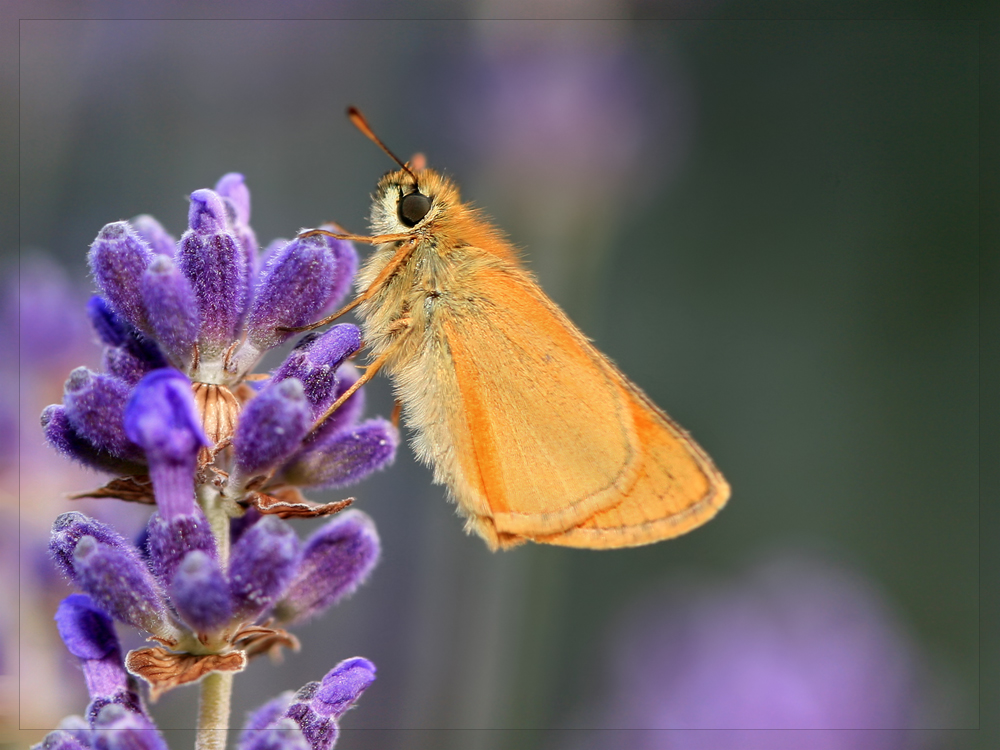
(180, 421)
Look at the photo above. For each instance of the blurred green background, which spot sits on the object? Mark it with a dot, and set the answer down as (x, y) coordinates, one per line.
(772, 227)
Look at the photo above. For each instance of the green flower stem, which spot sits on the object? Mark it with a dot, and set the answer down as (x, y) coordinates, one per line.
(213, 711)
(217, 687)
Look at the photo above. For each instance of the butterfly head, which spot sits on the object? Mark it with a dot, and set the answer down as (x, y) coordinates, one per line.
(408, 200)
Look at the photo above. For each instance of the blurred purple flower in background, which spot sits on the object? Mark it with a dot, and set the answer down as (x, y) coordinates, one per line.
(566, 133)
(796, 653)
(45, 336)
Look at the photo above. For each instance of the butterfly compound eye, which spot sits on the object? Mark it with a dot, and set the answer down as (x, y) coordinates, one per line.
(413, 207)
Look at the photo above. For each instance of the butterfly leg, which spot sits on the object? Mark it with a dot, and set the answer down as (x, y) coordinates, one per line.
(369, 372)
(404, 252)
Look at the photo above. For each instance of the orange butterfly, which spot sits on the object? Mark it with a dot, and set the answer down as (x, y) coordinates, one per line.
(536, 434)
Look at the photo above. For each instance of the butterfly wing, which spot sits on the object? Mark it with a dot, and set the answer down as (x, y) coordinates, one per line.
(677, 490)
(552, 443)
(550, 438)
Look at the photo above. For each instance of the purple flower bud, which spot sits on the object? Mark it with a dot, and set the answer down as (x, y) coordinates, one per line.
(317, 706)
(94, 406)
(336, 560)
(118, 259)
(119, 583)
(67, 441)
(119, 729)
(69, 528)
(344, 457)
(200, 592)
(297, 283)
(236, 197)
(315, 360)
(342, 686)
(169, 541)
(90, 636)
(283, 734)
(160, 241)
(61, 740)
(162, 418)
(271, 426)
(111, 329)
(217, 267)
(207, 212)
(172, 308)
(233, 187)
(262, 564)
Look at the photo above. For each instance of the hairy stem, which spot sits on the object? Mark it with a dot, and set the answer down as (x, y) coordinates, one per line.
(213, 711)
(217, 687)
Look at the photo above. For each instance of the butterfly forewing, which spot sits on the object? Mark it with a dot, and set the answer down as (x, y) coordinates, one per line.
(560, 439)
(553, 438)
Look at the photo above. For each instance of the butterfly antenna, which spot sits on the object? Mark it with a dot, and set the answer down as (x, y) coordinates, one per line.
(359, 121)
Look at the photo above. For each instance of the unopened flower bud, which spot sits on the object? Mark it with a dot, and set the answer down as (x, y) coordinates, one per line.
(335, 561)
(118, 259)
(200, 592)
(262, 564)
(272, 426)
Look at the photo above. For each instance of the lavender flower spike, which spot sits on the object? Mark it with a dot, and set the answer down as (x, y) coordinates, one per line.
(347, 266)
(236, 196)
(118, 258)
(232, 187)
(169, 540)
(61, 740)
(219, 272)
(343, 685)
(70, 528)
(62, 436)
(266, 715)
(111, 329)
(351, 410)
(162, 418)
(336, 560)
